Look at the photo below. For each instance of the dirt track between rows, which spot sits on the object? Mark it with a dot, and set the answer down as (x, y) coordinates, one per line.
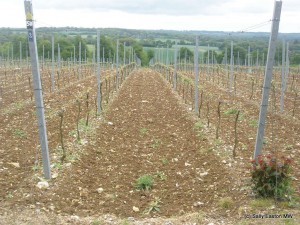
(146, 131)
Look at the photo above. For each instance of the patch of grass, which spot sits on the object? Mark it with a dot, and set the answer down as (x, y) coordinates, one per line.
(164, 161)
(244, 147)
(289, 204)
(19, 105)
(144, 182)
(154, 206)
(218, 142)
(231, 111)
(234, 112)
(289, 222)
(161, 175)
(207, 150)
(36, 167)
(57, 165)
(155, 143)
(49, 113)
(83, 127)
(253, 123)
(198, 126)
(199, 217)
(261, 203)
(81, 141)
(72, 158)
(201, 136)
(9, 195)
(13, 107)
(226, 203)
(19, 133)
(294, 202)
(288, 147)
(125, 222)
(96, 222)
(241, 116)
(195, 217)
(72, 133)
(143, 131)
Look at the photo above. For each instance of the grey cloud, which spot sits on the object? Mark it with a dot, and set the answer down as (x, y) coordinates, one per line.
(165, 7)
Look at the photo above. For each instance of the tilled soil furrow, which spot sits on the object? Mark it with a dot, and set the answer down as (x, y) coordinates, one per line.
(145, 131)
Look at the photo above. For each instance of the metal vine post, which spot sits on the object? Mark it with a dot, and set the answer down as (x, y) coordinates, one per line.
(37, 88)
(268, 78)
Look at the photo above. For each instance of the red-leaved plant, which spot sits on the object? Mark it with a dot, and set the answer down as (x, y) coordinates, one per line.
(271, 176)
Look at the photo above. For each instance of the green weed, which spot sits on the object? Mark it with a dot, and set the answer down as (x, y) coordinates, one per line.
(226, 203)
(253, 123)
(57, 165)
(19, 133)
(218, 142)
(72, 133)
(154, 206)
(288, 147)
(144, 182)
(19, 105)
(231, 111)
(143, 131)
(261, 203)
(125, 222)
(85, 128)
(164, 161)
(155, 143)
(97, 222)
(36, 167)
(9, 195)
(198, 126)
(161, 175)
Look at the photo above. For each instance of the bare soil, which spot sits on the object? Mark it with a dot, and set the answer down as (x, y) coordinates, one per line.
(145, 131)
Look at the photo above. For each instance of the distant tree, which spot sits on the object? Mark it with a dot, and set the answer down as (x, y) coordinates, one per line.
(150, 53)
(184, 51)
(237, 51)
(295, 58)
(181, 42)
(141, 54)
(108, 45)
(169, 43)
(218, 57)
(47, 47)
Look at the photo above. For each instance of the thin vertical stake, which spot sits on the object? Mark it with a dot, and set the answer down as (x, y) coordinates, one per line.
(98, 74)
(282, 77)
(117, 65)
(53, 60)
(231, 67)
(196, 65)
(175, 67)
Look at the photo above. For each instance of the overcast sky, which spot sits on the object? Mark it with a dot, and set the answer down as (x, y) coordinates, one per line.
(213, 15)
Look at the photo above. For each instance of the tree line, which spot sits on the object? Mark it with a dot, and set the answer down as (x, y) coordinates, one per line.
(13, 44)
